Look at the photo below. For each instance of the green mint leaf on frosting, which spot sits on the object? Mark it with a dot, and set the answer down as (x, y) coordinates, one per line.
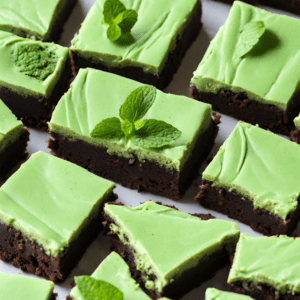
(127, 127)
(155, 134)
(138, 103)
(108, 129)
(249, 37)
(93, 289)
(118, 19)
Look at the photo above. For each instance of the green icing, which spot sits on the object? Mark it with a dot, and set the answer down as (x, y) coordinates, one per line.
(155, 34)
(214, 294)
(20, 287)
(259, 165)
(10, 127)
(30, 18)
(271, 261)
(115, 271)
(51, 200)
(30, 67)
(297, 121)
(269, 73)
(167, 242)
(95, 95)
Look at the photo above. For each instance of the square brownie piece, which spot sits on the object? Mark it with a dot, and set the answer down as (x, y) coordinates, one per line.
(266, 267)
(20, 287)
(13, 140)
(153, 53)
(42, 20)
(256, 80)
(50, 211)
(95, 96)
(33, 77)
(254, 179)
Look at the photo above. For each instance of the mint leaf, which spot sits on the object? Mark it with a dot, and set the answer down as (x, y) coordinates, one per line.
(108, 129)
(127, 127)
(249, 37)
(93, 289)
(111, 9)
(113, 32)
(139, 124)
(129, 18)
(138, 103)
(155, 134)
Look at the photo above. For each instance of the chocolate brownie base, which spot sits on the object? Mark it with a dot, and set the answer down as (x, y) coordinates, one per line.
(13, 153)
(262, 292)
(36, 111)
(148, 175)
(26, 254)
(162, 80)
(189, 280)
(241, 208)
(295, 135)
(241, 107)
(53, 297)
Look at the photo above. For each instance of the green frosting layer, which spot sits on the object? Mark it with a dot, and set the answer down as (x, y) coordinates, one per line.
(168, 242)
(269, 73)
(10, 127)
(20, 287)
(115, 271)
(155, 34)
(30, 18)
(214, 294)
(259, 165)
(51, 200)
(95, 95)
(297, 121)
(30, 67)
(272, 261)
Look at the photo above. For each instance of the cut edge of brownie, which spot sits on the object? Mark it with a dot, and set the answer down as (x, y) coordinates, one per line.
(160, 81)
(189, 280)
(238, 105)
(26, 254)
(149, 175)
(14, 153)
(295, 135)
(242, 209)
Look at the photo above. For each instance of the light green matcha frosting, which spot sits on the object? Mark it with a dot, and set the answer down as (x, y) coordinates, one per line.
(259, 165)
(95, 95)
(214, 294)
(115, 271)
(297, 121)
(269, 73)
(168, 242)
(155, 33)
(272, 261)
(20, 287)
(22, 61)
(10, 127)
(51, 200)
(30, 18)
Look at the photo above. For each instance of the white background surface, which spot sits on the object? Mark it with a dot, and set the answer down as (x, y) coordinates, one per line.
(214, 15)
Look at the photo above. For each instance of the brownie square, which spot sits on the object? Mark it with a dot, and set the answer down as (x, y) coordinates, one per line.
(260, 86)
(254, 179)
(96, 95)
(33, 77)
(42, 20)
(152, 54)
(50, 211)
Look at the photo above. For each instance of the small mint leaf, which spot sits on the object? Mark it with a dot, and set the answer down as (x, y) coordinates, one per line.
(111, 9)
(138, 103)
(108, 129)
(139, 124)
(127, 127)
(129, 18)
(113, 32)
(93, 289)
(249, 37)
(155, 134)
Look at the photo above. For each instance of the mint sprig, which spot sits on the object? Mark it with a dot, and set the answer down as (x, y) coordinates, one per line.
(93, 289)
(249, 37)
(118, 19)
(143, 133)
